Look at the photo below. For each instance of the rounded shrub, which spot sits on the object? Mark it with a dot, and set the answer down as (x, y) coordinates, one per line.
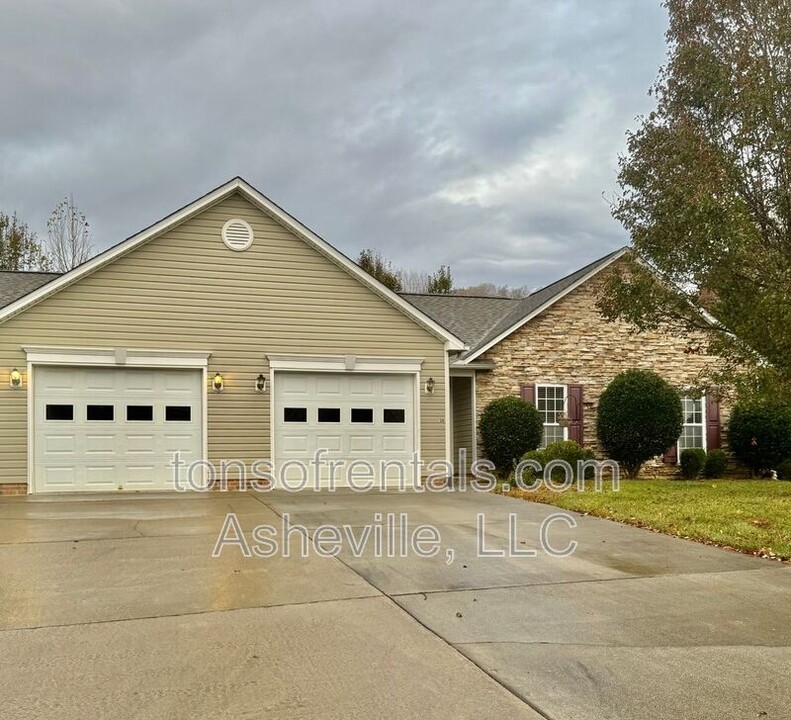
(693, 460)
(639, 417)
(716, 464)
(568, 450)
(760, 435)
(509, 428)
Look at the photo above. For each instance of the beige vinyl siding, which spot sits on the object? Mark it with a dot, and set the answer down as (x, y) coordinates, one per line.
(461, 407)
(185, 290)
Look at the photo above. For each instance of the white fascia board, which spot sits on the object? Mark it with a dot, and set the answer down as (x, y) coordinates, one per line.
(237, 184)
(112, 357)
(549, 303)
(344, 363)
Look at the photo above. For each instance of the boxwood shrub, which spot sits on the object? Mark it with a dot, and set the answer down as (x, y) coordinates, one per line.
(639, 417)
(568, 450)
(693, 460)
(716, 464)
(509, 428)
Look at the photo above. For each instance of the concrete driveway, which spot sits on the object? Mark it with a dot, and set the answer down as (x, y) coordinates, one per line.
(114, 606)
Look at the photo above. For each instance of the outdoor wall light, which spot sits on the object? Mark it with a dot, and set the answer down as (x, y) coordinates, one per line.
(217, 383)
(260, 384)
(430, 385)
(15, 379)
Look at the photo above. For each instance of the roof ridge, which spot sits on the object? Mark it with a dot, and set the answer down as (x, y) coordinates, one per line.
(32, 272)
(457, 295)
(578, 271)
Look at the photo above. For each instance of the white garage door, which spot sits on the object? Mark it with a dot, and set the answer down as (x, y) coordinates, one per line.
(352, 416)
(113, 429)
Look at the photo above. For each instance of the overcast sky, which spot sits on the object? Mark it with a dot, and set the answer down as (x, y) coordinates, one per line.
(483, 135)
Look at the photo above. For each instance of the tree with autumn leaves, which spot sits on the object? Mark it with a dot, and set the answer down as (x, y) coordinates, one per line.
(706, 192)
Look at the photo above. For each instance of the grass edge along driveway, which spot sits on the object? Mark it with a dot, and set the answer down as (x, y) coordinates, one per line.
(751, 516)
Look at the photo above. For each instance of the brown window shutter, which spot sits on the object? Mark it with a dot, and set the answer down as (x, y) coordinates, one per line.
(713, 441)
(528, 393)
(575, 409)
(671, 455)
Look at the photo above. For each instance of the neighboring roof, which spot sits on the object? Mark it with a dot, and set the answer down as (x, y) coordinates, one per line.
(490, 320)
(16, 284)
(236, 185)
(470, 318)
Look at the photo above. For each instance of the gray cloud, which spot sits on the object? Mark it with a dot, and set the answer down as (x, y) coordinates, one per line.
(479, 134)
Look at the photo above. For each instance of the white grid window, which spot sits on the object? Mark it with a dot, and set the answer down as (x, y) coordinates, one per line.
(551, 403)
(692, 435)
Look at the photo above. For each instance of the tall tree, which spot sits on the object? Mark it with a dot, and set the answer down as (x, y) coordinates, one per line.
(706, 191)
(19, 247)
(441, 282)
(68, 236)
(374, 264)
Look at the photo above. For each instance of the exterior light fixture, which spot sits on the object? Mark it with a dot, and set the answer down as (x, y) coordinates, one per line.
(260, 384)
(217, 383)
(430, 385)
(15, 379)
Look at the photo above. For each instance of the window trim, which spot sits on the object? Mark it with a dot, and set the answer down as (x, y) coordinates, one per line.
(565, 410)
(703, 424)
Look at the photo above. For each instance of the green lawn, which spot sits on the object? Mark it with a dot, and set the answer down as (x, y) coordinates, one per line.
(749, 515)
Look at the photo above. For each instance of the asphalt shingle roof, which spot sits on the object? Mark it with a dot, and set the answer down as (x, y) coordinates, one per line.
(14, 285)
(479, 320)
(469, 318)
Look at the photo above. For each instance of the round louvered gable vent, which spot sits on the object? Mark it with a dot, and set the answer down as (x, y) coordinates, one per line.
(237, 234)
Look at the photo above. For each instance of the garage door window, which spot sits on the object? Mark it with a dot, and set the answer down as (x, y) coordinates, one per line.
(393, 415)
(362, 415)
(60, 412)
(178, 413)
(329, 415)
(295, 414)
(140, 413)
(100, 413)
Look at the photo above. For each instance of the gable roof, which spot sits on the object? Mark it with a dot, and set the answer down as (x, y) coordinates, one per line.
(16, 284)
(490, 320)
(236, 185)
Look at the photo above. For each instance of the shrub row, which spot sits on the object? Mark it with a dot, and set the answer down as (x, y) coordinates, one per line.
(695, 461)
(639, 417)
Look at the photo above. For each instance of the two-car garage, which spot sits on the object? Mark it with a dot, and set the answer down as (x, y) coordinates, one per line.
(110, 369)
(119, 428)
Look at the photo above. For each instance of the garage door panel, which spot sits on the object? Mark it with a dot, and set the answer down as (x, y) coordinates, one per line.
(394, 444)
(96, 381)
(331, 443)
(100, 444)
(139, 381)
(328, 386)
(110, 451)
(101, 476)
(137, 444)
(59, 477)
(59, 444)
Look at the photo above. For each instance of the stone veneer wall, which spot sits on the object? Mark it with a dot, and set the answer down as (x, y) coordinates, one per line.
(572, 343)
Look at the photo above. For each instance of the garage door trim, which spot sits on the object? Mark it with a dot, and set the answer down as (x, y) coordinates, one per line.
(113, 358)
(351, 364)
